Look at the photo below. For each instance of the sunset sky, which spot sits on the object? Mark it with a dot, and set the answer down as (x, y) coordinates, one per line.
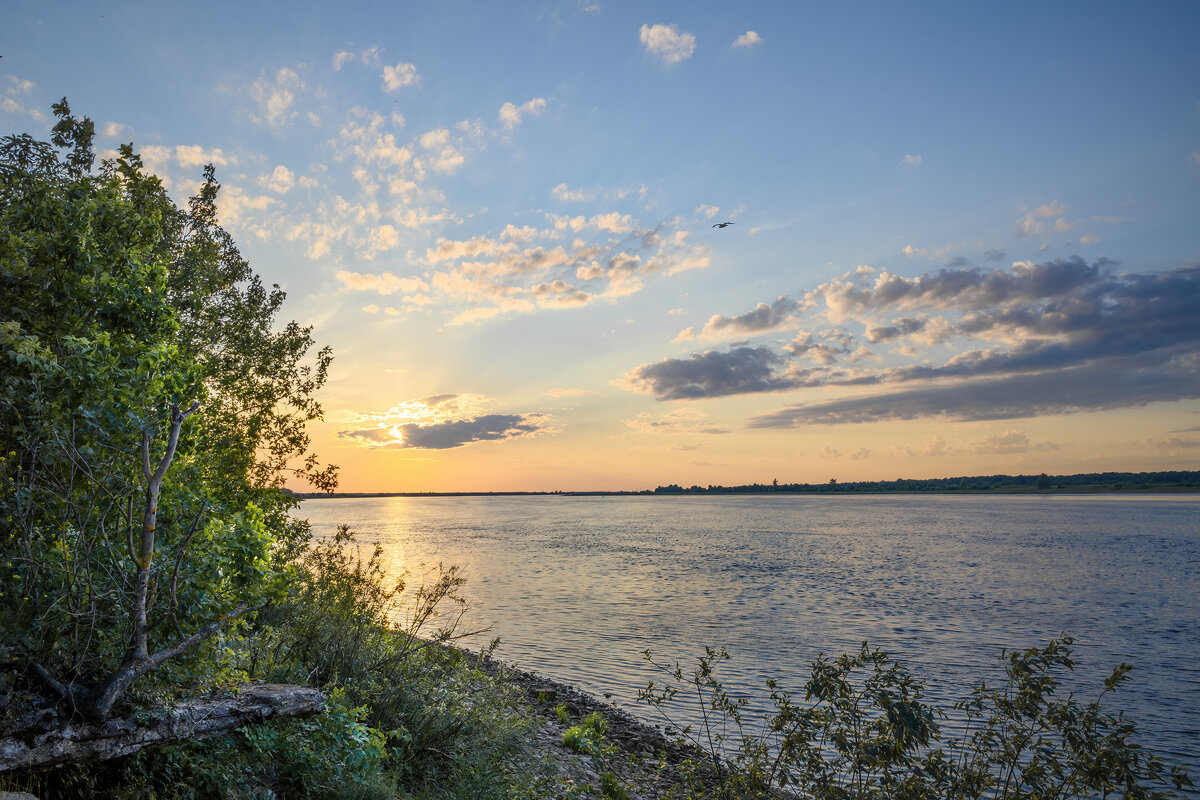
(965, 239)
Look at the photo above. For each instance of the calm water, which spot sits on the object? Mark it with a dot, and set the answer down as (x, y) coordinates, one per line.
(578, 587)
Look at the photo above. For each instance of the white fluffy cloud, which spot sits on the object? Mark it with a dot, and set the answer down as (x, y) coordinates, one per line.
(667, 42)
(399, 76)
(275, 96)
(511, 115)
(280, 180)
(15, 98)
(369, 57)
(747, 39)
(384, 283)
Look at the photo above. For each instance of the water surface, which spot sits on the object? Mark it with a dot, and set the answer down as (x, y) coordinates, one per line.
(578, 587)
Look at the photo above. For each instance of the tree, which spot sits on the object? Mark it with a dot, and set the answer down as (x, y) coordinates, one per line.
(149, 414)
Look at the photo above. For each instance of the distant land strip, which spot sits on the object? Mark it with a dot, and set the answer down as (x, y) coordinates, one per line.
(1084, 483)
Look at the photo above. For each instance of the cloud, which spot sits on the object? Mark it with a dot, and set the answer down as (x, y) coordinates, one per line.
(559, 393)
(685, 335)
(1040, 338)
(569, 195)
(441, 422)
(195, 156)
(511, 115)
(667, 42)
(448, 435)
(959, 288)
(572, 262)
(911, 161)
(444, 154)
(1035, 222)
(680, 421)
(275, 96)
(743, 370)
(399, 76)
(707, 211)
(747, 39)
(368, 57)
(279, 181)
(1079, 389)
(384, 283)
(14, 100)
(490, 427)
(762, 319)
(824, 348)
(115, 130)
(1009, 442)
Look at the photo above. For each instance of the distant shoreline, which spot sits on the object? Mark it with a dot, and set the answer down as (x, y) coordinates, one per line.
(1168, 482)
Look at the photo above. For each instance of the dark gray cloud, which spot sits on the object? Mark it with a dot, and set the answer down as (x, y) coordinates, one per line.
(968, 288)
(742, 370)
(995, 255)
(898, 328)
(1055, 337)
(761, 319)
(456, 433)
(1084, 388)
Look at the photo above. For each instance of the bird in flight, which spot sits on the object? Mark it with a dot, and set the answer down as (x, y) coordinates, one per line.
(722, 224)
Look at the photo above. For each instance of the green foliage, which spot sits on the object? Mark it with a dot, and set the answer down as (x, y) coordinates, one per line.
(588, 736)
(117, 310)
(611, 787)
(863, 731)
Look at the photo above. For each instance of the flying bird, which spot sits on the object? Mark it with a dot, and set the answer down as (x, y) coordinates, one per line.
(722, 224)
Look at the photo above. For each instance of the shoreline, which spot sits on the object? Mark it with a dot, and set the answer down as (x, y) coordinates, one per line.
(1134, 490)
(647, 758)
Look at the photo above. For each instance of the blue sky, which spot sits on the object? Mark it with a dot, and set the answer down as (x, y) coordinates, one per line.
(964, 236)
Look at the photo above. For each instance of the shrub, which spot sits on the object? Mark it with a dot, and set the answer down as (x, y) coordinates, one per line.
(863, 731)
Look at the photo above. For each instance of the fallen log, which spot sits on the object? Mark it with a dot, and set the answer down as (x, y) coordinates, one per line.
(190, 720)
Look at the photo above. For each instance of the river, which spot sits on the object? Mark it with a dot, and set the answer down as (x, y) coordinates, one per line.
(578, 587)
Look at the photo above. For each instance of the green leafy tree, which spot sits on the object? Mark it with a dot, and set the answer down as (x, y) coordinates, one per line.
(150, 412)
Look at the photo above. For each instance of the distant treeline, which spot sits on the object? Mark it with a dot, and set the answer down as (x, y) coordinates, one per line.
(1167, 481)
(1174, 480)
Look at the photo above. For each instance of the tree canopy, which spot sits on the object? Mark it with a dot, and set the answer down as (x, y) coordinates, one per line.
(151, 409)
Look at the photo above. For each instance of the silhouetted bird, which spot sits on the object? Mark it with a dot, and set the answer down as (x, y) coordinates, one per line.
(722, 224)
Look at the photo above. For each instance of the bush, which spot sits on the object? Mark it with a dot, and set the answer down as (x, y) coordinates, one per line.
(863, 731)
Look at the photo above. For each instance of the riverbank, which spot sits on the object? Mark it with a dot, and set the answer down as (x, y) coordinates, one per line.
(647, 761)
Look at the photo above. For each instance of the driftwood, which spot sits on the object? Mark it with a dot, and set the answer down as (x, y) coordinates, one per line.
(49, 745)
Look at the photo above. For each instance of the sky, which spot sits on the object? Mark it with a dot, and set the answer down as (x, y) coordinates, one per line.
(964, 239)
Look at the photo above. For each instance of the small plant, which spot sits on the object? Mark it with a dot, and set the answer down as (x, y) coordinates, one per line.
(610, 787)
(563, 715)
(863, 732)
(588, 736)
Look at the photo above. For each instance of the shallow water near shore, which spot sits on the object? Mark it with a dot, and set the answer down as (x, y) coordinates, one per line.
(578, 587)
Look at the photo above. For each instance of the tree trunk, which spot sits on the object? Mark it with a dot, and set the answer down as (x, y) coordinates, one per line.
(50, 745)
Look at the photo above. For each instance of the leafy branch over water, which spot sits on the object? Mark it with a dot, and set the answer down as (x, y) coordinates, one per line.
(864, 731)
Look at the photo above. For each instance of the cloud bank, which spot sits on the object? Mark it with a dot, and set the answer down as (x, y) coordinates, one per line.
(961, 343)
